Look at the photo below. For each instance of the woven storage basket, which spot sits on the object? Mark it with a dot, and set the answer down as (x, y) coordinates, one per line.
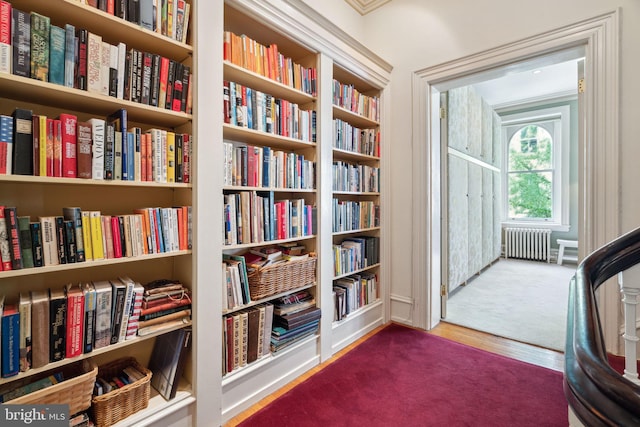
(118, 404)
(76, 391)
(282, 277)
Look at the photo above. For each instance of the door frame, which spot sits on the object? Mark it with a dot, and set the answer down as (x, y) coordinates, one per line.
(598, 152)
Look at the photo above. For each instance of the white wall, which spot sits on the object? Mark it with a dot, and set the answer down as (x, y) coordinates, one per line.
(341, 14)
(414, 34)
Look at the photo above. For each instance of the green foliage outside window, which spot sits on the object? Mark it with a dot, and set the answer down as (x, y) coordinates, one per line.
(530, 173)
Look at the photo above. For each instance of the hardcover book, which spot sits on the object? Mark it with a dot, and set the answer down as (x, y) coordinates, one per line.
(22, 142)
(36, 243)
(74, 214)
(86, 235)
(39, 328)
(13, 234)
(57, 324)
(97, 147)
(94, 63)
(69, 123)
(89, 316)
(21, 28)
(80, 81)
(40, 26)
(24, 308)
(5, 37)
(26, 247)
(83, 154)
(74, 343)
(49, 240)
(167, 361)
(69, 55)
(61, 239)
(10, 340)
(6, 145)
(56, 54)
(5, 245)
(95, 224)
(103, 314)
(118, 296)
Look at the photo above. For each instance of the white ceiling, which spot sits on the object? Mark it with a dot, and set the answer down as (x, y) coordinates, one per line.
(365, 6)
(551, 81)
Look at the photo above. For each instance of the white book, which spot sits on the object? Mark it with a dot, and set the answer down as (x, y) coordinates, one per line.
(97, 147)
(103, 314)
(94, 63)
(49, 240)
(105, 64)
(128, 301)
(122, 54)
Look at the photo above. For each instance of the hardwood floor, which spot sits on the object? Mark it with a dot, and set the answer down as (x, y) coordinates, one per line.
(549, 359)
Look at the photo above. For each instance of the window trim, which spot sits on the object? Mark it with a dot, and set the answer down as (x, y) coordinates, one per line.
(561, 156)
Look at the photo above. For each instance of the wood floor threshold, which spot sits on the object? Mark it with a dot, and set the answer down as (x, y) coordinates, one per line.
(528, 353)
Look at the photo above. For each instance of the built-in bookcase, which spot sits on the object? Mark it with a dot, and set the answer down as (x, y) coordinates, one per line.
(356, 203)
(37, 196)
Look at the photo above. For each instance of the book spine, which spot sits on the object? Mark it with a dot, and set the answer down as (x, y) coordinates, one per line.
(5, 246)
(74, 215)
(69, 55)
(89, 318)
(70, 245)
(96, 235)
(103, 318)
(57, 319)
(86, 235)
(83, 154)
(117, 309)
(109, 147)
(97, 148)
(155, 80)
(21, 61)
(57, 147)
(10, 343)
(11, 218)
(81, 64)
(94, 63)
(5, 37)
(40, 31)
(69, 124)
(26, 248)
(56, 54)
(61, 239)
(24, 308)
(36, 243)
(146, 78)
(74, 324)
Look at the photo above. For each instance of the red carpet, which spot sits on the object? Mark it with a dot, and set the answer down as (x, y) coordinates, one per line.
(404, 377)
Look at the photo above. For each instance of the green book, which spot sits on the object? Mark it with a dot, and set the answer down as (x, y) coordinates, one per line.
(57, 41)
(26, 244)
(40, 30)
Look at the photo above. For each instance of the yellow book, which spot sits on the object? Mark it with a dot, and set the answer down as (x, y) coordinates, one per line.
(96, 235)
(171, 157)
(86, 236)
(43, 145)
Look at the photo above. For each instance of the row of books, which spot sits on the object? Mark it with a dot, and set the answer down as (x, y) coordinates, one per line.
(250, 108)
(353, 292)
(167, 17)
(295, 317)
(350, 138)
(126, 376)
(42, 327)
(355, 253)
(352, 215)
(348, 97)
(246, 336)
(98, 148)
(255, 217)
(355, 177)
(75, 57)
(78, 236)
(253, 166)
(267, 61)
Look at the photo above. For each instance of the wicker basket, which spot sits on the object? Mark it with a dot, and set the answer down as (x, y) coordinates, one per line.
(271, 280)
(76, 391)
(118, 404)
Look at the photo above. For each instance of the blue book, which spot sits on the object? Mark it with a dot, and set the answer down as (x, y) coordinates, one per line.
(57, 43)
(266, 165)
(69, 55)
(249, 117)
(10, 341)
(131, 150)
(118, 120)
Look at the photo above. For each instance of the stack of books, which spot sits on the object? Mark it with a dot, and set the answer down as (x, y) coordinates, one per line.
(165, 303)
(295, 317)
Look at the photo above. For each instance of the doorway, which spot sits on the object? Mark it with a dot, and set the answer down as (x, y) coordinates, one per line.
(598, 152)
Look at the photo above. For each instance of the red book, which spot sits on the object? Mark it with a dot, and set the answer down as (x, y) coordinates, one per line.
(69, 124)
(226, 91)
(229, 335)
(165, 306)
(5, 247)
(83, 153)
(164, 80)
(107, 235)
(50, 145)
(149, 157)
(5, 37)
(11, 218)
(57, 148)
(81, 65)
(115, 231)
(74, 322)
(186, 158)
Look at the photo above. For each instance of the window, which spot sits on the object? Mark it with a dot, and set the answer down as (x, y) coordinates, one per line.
(535, 171)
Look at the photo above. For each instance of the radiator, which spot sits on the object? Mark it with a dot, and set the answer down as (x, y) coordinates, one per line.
(528, 243)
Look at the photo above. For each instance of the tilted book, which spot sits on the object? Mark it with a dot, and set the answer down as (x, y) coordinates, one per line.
(167, 361)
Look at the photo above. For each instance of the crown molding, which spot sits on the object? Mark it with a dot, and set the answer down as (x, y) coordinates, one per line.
(365, 6)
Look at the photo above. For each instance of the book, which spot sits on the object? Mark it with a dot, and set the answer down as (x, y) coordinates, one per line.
(128, 302)
(10, 340)
(6, 54)
(74, 340)
(57, 324)
(97, 147)
(103, 314)
(39, 328)
(21, 43)
(94, 63)
(84, 150)
(22, 142)
(69, 124)
(57, 147)
(118, 122)
(36, 243)
(40, 31)
(13, 234)
(74, 214)
(32, 387)
(6, 145)
(86, 235)
(26, 247)
(118, 297)
(61, 239)
(134, 316)
(167, 361)
(80, 78)
(69, 54)
(5, 245)
(95, 225)
(39, 132)
(89, 292)
(57, 45)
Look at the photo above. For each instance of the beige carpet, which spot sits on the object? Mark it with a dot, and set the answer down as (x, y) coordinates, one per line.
(521, 300)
